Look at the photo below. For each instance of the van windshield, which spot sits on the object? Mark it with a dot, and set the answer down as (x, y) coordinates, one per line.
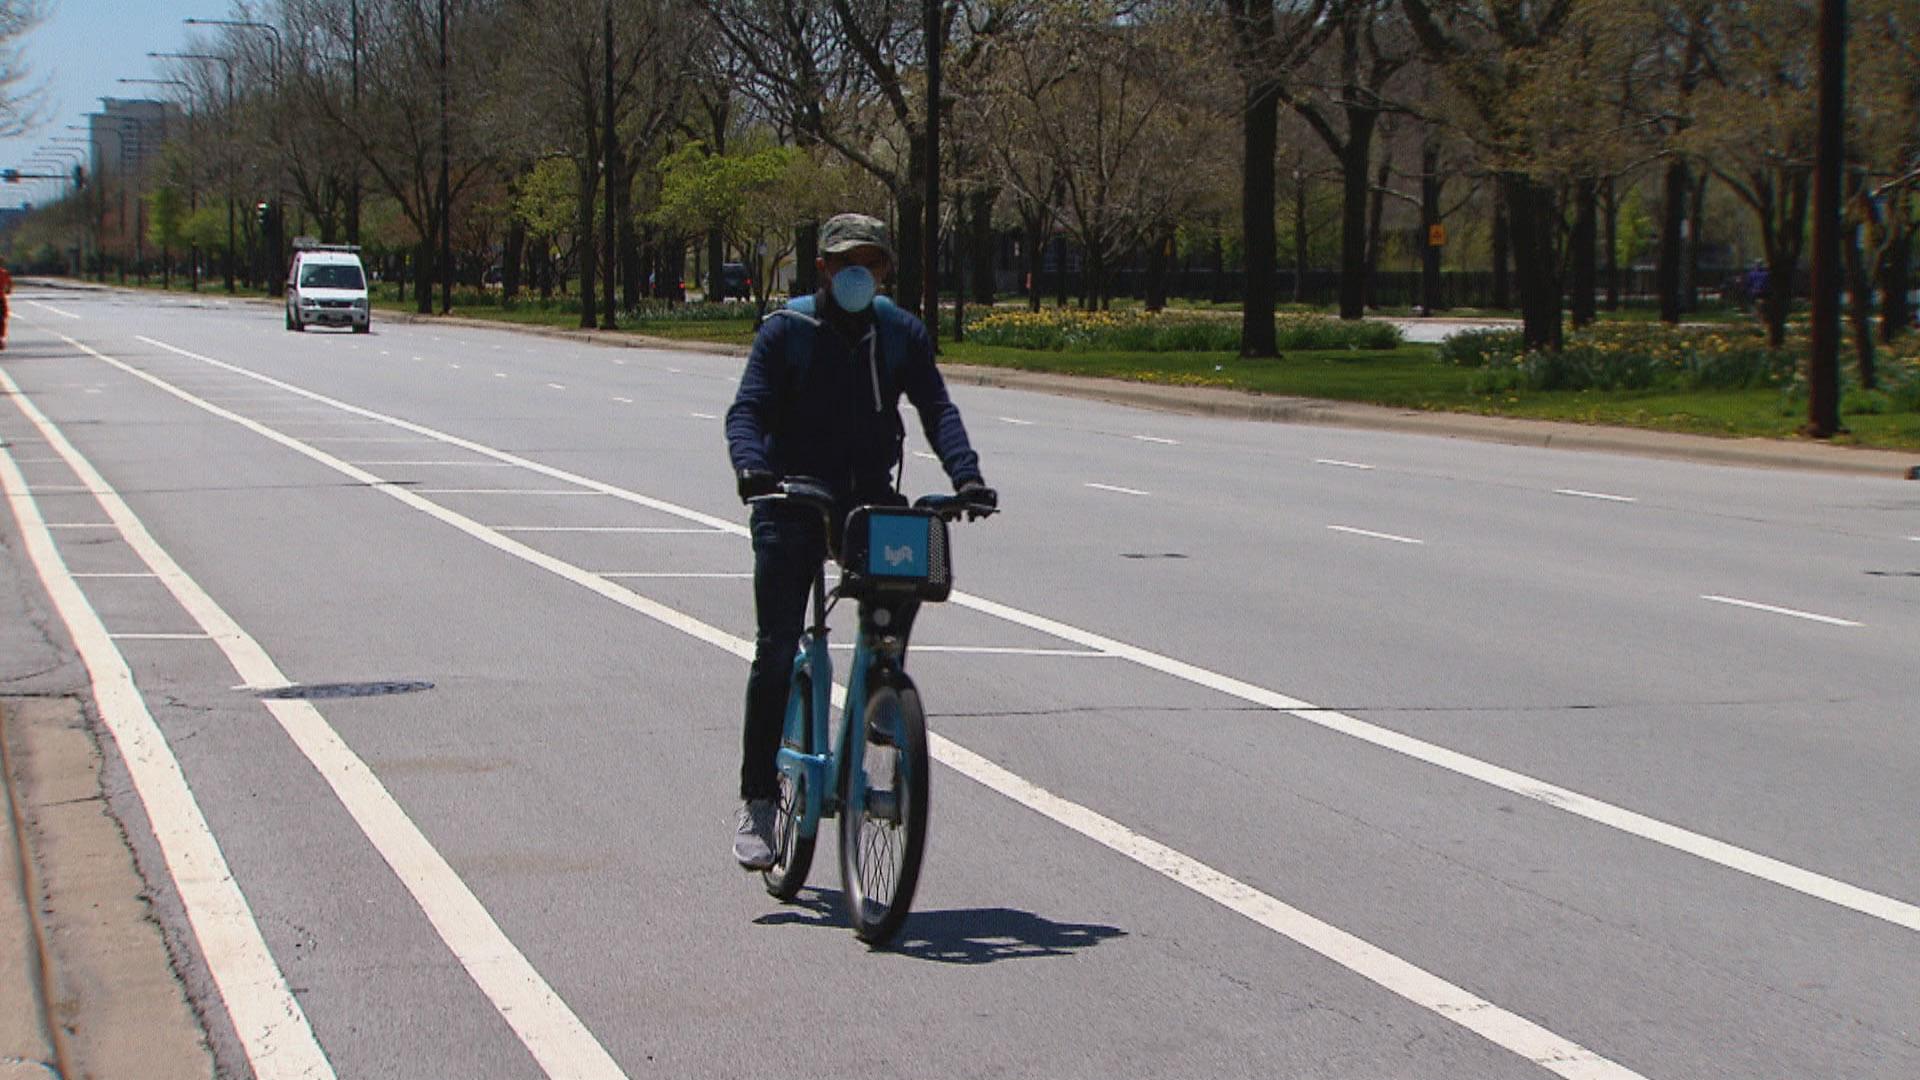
(331, 276)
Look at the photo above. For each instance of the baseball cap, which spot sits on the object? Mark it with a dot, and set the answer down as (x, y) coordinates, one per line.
(844, 232)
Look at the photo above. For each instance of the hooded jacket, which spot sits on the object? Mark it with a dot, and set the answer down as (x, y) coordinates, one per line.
(830, 409)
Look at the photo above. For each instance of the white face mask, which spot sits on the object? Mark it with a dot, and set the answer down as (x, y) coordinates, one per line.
(853, 288)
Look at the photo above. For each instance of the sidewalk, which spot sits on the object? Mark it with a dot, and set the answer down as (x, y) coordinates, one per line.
(86, 986)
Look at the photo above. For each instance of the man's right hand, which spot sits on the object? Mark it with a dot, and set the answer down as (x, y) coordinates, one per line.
(753, 483)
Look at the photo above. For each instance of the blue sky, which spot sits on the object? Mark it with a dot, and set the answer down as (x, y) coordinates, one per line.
(79, 50)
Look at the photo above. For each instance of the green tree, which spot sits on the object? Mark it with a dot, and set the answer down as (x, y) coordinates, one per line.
(166, 225)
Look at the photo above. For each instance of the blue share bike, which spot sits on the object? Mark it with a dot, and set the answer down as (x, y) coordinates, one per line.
(873, 775)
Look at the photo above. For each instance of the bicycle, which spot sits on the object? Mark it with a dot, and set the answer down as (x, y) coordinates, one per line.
(892, 560)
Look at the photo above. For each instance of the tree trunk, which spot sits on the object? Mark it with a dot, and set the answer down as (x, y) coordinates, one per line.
(1895, 281)
(511, 259)
(981, 244)
(1535, 221)
(1301, 236)
(1584, 214)
(716, 255)
(1502, 249)
(585, 250)
(1159, 256)
(1672, 247)
(1859, 285)
(1259, 135)
(627, 243)
(1035, 236)
(422, 276)
(1696, 241)
(1355, 242)
(1376, 212)
(1610, 214)
(806, 249)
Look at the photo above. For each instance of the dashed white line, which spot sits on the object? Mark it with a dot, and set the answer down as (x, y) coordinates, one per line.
(555, 386)
(623, 400)
(1117, 490)
(1601, 495)
(1375, 535)
(1756, 606)
(1157, 439)
(499, 374)
(703, 416)
(1016, 422)
(454, 366)
(1337, 463)
(55, 310)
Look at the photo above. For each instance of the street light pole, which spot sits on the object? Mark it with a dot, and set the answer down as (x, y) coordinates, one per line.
(228, 64)
(277, 243)
(193, 193)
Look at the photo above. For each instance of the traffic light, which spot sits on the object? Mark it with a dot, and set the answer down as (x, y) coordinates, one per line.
(263, 215)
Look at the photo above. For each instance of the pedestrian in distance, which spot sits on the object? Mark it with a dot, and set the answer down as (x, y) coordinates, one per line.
(6, 291)
(820, 399)
(1757, 282)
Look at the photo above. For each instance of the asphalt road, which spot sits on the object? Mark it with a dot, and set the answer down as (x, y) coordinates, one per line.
(1266, 750)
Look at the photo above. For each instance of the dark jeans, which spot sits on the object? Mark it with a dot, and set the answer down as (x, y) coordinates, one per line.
(788, 546)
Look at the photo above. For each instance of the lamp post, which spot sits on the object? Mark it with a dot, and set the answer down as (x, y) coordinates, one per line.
(275, 286)
(228, 64)
(72, 166)
(193, 191)
(89, 222)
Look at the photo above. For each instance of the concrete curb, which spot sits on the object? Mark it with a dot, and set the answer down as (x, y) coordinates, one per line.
(1241, 405)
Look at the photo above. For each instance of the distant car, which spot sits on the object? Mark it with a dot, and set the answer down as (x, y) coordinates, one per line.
(735, 282)
(327, 286)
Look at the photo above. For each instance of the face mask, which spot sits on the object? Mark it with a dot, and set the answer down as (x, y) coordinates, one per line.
(853, 288)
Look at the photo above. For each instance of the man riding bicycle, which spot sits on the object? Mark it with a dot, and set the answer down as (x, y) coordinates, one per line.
(820, 399)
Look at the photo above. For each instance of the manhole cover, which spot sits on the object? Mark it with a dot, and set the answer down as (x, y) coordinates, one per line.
(320, 691)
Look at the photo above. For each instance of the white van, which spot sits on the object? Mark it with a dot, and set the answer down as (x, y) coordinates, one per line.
(326, 285)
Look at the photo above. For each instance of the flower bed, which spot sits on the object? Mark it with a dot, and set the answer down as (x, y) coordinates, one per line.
(1073, 330)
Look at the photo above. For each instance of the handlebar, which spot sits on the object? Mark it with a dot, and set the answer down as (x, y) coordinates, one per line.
(809, 492)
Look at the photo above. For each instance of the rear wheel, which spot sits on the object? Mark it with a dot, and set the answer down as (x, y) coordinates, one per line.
(883, 827)
(793, 853)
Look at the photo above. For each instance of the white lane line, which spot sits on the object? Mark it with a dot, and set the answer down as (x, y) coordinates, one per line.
(503, 491)
(49, 307)
(1577, 493)
(1118, 490)
(653, 530)
(1756, 606)
(499, 374)
(924, 454)
(135, 636)
(667, 574)
(455, 367)
(436, 464)
(1558, 1055)
(1158, 439)
(1337, 463)
(556, 1038)
(994, 650)
(1505, 1029)
(272, 1029)
(1016, 422)
(1375, 535)
(1719, 852)
(703, 416)
(623, 400)
(555, 386)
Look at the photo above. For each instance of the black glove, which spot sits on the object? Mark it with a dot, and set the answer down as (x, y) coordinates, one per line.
(981, 499)
(753, 483)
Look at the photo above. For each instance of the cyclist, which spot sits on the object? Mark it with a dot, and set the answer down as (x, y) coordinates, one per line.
(6, 290)
(820, 398)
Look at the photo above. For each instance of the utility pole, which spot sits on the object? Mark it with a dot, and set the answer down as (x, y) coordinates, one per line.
(446, 201)
(930, 250)
(1823, 367)
(612, 281)
(353, 195)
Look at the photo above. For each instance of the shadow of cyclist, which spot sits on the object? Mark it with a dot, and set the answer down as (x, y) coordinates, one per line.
(956, 936)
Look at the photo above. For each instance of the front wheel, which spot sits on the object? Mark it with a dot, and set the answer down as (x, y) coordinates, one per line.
(792, 852)
(883, 825)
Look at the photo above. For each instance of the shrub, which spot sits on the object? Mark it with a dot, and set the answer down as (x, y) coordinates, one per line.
(1477, 348)
(1073, 330)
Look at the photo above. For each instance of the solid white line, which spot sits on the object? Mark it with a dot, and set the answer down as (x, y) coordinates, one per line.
(272, 1029)
(55, 310)
(662, 574)
(1595, 495)
(158, 637)
(1120, 490)
(1515, 1033)
(1505, 1029)
(649, 529)
(545, 1025)
(1732, 857)
(1342, 464)
(1375, 535)
(1158, 439)
(501, 491)
(1808, 615)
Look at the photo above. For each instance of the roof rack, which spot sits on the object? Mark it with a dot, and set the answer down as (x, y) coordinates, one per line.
(308, 243)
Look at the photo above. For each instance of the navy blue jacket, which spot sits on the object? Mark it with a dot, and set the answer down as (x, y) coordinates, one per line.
(836, 417)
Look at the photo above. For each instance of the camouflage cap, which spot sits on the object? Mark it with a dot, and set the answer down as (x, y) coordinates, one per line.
(844, 232)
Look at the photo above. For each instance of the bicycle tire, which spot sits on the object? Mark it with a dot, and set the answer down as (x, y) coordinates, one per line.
(793, 853)
(881, 845)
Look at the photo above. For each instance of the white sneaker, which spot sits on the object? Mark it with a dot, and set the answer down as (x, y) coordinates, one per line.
(753, 838)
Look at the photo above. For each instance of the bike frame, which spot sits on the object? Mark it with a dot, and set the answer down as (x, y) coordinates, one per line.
(822, 770)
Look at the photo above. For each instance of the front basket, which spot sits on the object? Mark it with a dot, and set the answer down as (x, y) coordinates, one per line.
(895, 552)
